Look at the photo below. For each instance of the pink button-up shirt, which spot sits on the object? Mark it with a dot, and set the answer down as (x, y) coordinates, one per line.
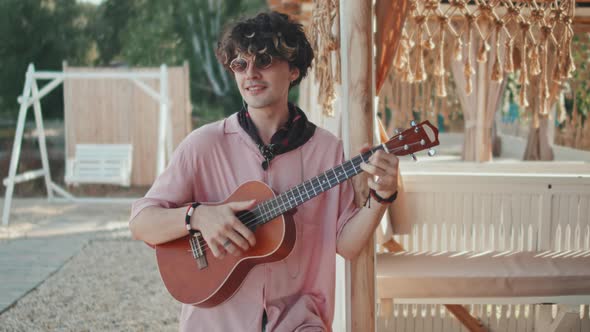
(297, 292)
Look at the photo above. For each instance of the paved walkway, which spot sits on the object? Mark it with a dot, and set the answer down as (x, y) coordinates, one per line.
(43, 236)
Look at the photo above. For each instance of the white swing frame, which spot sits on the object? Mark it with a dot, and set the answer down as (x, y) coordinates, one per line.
(31, 96)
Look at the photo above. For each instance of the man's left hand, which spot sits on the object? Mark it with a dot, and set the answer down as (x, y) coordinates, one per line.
(384, 166)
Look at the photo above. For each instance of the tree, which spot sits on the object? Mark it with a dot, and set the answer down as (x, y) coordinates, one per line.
(156, 32)
(44, 33)
(106, 29)
(132, 32)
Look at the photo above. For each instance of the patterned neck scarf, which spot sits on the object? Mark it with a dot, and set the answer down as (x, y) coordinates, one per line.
(290, 136)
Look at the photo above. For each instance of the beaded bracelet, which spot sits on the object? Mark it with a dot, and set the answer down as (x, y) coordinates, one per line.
(187, 218)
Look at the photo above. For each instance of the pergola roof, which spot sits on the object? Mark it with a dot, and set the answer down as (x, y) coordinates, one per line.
(301, 10)
(298, 9)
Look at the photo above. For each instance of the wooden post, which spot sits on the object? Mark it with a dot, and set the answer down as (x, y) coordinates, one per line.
(358, 120)
(163, 122)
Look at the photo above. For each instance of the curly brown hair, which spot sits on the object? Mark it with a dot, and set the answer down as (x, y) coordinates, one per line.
(273, 33)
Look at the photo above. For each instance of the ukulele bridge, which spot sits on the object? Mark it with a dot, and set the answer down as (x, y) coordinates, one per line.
(197, 243)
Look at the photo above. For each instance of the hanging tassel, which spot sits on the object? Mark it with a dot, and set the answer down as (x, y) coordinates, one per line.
(509, 56)
(535, 63)
(496, 70)
(439, 71)
(544, 96)
(420, 72)
(544, 104)
(439, 68)
(569, 66)
(545, 90)
(428, 44)
(400, 60)
(458, 49)
(407, 75)
(441, 88)
(523, 79)
(427, 104)
(482, 54)
(556, 77)
(522, 97)
(546, 31)
(497, 67)
(401, 56)
(468, 71)
(557, 69)
(404, 75)
(439, 64)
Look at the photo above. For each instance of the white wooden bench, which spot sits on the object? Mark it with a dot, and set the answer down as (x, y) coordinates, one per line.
(503, 239)
(100, 164)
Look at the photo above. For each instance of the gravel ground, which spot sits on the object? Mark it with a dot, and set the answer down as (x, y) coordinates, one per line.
(112, 284)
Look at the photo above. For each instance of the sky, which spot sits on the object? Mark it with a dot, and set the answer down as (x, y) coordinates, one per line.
(96, 2)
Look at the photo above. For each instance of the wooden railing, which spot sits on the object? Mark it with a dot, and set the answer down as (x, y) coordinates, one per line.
(492, 208)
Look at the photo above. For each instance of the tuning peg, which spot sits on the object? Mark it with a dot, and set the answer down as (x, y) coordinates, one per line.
(413, 123)
(396, 131)
(431, 152)
(414, 157)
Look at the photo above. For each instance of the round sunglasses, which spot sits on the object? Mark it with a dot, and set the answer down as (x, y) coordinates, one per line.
(261, 61)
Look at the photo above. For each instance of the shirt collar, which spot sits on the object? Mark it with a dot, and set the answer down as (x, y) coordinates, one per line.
(232, 126)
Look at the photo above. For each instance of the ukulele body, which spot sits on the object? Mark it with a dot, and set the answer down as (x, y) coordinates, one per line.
(213, 284)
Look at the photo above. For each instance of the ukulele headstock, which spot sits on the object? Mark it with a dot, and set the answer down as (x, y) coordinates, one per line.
(418, 137)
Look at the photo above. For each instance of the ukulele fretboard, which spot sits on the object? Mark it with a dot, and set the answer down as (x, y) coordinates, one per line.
(272, 208)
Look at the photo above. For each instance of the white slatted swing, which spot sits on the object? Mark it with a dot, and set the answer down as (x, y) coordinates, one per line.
(92, 163)
(100, 163)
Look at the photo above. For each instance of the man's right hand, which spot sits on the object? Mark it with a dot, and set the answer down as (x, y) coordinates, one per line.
(222, 230)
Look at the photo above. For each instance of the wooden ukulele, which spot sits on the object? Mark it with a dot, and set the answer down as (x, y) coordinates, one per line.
(194, 276)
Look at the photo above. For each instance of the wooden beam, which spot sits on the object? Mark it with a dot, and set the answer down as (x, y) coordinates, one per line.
(299, 10)
(357, 112)
(581, 24)
(471, 323)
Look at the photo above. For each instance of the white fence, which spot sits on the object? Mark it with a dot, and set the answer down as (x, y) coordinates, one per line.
(483, 210)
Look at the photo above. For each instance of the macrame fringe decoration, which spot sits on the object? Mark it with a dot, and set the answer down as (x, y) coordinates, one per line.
(533, 39)
(529, 38)
(326, 46)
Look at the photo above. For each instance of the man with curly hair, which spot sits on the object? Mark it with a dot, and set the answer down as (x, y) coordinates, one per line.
(268, 140)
